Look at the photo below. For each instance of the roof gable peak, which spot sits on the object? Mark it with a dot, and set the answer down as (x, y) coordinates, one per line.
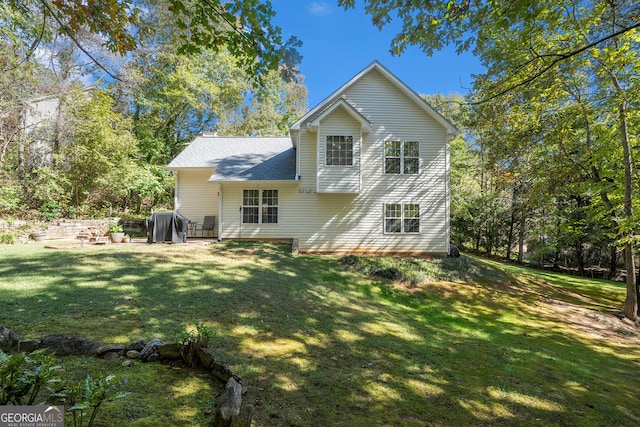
(375, 65)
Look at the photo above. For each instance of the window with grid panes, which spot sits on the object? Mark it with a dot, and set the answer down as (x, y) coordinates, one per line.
(260, 206)
(401, 218)
(250, 206)
(339, 150)
(269, 206)
(402, 157)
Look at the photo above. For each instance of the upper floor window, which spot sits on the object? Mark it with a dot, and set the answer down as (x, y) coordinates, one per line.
(339, 150)
(401, 218)
(260, 206)
(402, 157)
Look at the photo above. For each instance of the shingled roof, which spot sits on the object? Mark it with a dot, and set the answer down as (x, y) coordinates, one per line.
(240, 158)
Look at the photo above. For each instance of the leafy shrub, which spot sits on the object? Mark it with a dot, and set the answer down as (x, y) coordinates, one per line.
(7, 239)
(190, 340)
(10, 197)
(51, 210)
(22, 376)
(91, 394)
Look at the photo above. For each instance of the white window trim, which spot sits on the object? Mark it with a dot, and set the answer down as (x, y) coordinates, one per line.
(401, 157)
(326, 151)
(402, 219)
(260, 206)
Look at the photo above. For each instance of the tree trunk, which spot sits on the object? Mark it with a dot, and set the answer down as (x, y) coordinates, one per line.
(631, 302)
(613, 261)
(580, 258)
(521, 233)
(512, 222)
(626, 231)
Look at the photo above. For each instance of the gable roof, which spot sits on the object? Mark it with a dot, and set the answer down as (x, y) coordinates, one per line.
(314, 121)
(239, 158)
(375, 65)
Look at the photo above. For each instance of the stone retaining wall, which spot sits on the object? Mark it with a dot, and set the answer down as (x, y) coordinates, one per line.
(68, 228)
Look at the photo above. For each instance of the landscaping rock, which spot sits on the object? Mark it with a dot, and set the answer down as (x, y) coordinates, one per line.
(69, 345)
(9, 340)
(137, 345)
(150, 352)
(132, 354)
(220, 372)
(111, 355)
(206, 357)
(228, 404)
(169, 351)
(28, 346)
(111, 348)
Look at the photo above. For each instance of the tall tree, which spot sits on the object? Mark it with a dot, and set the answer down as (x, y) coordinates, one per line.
(270, 110)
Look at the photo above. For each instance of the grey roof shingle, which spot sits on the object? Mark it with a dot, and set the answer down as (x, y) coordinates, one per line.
(240, 158)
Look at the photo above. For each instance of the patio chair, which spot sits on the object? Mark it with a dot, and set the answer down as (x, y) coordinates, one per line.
(208, 225)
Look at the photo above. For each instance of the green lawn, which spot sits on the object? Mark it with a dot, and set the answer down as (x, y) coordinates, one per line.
(319, 345)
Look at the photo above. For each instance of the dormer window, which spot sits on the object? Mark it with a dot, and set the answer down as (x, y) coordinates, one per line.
(339, 150)
(402, 157)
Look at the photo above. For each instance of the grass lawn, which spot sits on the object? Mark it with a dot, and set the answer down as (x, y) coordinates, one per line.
(320, 345)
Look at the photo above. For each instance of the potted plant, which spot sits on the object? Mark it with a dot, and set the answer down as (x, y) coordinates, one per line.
(116, 233)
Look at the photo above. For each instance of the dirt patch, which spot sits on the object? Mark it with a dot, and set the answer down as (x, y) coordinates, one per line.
(593, 323)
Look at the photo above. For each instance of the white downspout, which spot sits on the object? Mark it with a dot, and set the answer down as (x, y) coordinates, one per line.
(220, 212)
(176, 196)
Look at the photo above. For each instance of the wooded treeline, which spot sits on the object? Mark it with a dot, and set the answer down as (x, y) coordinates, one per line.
(87, 126)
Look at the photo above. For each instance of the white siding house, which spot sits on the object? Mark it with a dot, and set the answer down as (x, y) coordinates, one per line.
(366, 170)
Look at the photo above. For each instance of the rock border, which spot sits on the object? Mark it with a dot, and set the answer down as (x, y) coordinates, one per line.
(229, 408)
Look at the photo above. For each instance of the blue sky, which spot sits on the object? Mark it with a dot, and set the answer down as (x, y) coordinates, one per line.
(338, 44)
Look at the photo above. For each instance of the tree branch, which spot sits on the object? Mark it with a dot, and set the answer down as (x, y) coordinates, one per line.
(34, 45)
(69, 34)
(559, 57)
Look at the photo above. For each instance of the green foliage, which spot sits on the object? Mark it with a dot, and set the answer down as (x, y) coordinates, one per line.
(417, 270)
(107, 150)
(90, 395)
(7, 239)
(22, 376)
(243, 27)
(115, 227)
(98, 142)
(190, 340)
(272, 108)
(10, 198)
(49, 190)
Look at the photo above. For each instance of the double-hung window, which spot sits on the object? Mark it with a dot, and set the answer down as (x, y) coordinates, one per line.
(339, 150)
(402, 157)
(402, 218)
(260, 206)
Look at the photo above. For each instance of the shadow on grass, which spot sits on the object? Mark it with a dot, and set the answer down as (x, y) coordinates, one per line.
(320, 346)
